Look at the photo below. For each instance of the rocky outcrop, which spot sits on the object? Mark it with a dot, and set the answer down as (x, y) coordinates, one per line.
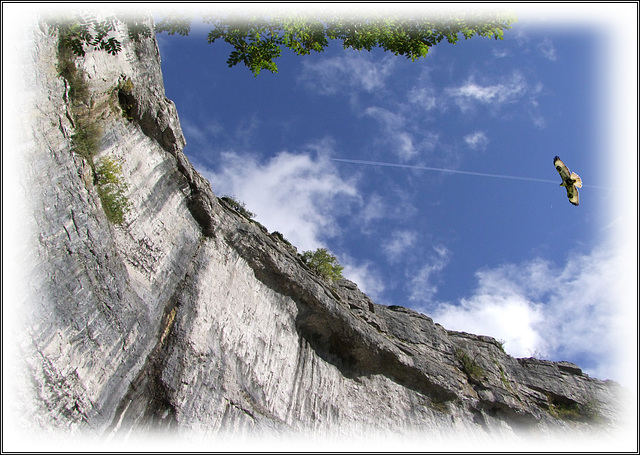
(191, 317)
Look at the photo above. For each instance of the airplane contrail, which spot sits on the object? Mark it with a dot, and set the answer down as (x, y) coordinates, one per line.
(452, 171)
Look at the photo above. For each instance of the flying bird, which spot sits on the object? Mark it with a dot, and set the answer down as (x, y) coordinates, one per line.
(570, 180)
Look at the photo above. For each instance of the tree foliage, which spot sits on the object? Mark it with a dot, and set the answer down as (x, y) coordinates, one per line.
(259, 39)
(323, 264)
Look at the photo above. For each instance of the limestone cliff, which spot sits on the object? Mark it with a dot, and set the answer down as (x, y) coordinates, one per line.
(190, 318)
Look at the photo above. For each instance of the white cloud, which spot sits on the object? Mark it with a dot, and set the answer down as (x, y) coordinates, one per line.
(568, 312)
(423, 285)
(508, 91)
(503, 306)
(294, 194)
(477, 140)
(509, 317)
(398, 244)
(351, 70)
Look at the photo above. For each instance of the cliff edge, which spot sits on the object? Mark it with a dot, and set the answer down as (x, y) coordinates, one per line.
(189, 318)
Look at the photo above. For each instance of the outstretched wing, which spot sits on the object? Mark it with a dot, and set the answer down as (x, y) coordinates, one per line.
(572, 194)
(562, 169)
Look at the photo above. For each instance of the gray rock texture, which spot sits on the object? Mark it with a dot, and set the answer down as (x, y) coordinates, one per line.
(191, 319)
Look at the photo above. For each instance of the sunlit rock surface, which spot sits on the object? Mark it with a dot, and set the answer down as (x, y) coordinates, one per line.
(192, 320)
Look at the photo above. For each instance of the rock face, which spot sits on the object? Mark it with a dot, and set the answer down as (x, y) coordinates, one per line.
(190, 317)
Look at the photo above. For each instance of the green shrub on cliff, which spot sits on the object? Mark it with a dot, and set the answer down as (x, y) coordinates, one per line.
(323, 263)
(87, 130)
(469, 366)
(86, 137)
(238, 206)
(112, 190)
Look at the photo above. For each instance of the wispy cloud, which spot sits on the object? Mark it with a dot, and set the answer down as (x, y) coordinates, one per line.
(508, 91)
(365, 276)
(192, 132)
(391, 121)
(547, 49)
(514, 90)
(400, 241)
(424, 285)
(298, 194)
(203, 134)
(533, 107)
(401, 133)
(350, 71)
(424, 97)
(395, 131)
(374, 209)
(246, 131)
(477, 140)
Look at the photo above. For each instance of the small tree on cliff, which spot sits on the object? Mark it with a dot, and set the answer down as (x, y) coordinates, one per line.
(323, 263)
(258, 41)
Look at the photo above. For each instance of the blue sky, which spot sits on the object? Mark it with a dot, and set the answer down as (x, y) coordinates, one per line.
(510, 258)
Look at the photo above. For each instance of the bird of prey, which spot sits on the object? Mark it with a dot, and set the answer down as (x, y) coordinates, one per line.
(570, 180)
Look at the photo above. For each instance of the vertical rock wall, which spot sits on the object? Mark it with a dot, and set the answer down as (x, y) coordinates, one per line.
(98, 291)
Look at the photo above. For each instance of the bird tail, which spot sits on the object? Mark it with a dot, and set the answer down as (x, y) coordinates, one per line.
(577, 180)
